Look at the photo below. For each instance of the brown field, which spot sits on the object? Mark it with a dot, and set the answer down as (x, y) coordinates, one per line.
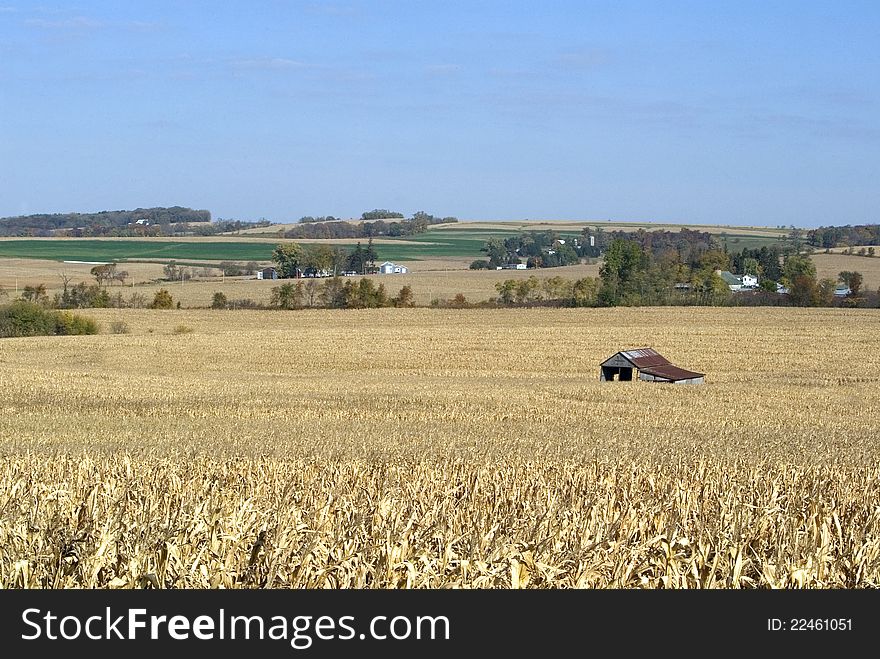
(840, 250)
(25, 272)
(830, 265)
(436, 448)
(559, 225)
(577, 225)
(430, 279)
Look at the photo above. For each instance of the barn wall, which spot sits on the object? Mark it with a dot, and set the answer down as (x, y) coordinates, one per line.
(617, 361)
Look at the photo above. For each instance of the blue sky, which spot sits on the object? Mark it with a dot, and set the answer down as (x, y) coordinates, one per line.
(701, 112)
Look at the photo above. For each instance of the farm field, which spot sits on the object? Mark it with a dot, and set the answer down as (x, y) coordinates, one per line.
(457, 241)
(438, 278)
(424, 246)
(830, 265)
(437, 448)
(213, 249)
(427, 285)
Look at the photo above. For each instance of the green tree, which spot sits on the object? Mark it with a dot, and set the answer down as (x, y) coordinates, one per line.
(715, 259)
(496, 251)
(24, 318)
(366, 295)
(557, 288)
(312, 289)
(333, 293)
(106, 272)
(371, 254)
(357, 260)
(319, 257)
(420, 221)
(380, 214)
(527, 289)
(506, 290)
(404, 298)
(162, 300)
(35, 294)
(287, 257)
(798, 266)
(459, 302)
(337, 260)
(796, 236)
(825, 292)
(171, 270)
(584, 292)
(803, 291)
(709, 287)
(622, 260)
(219, 301)
(287, 296)
(853, 281)
(751, 267)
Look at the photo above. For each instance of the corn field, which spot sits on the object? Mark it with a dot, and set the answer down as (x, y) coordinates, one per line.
(426, 448)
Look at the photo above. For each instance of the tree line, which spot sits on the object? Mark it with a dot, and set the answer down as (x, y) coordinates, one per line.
(100, 223)
(633, 276)
(845, 236)
(367, 227)
(293, 260)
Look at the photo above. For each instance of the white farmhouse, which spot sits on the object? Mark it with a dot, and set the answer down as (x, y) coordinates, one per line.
(389, 268)
(738, 282)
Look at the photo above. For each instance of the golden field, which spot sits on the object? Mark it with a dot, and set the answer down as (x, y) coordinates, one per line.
(429, 279)
(434, 448)
(831, 265)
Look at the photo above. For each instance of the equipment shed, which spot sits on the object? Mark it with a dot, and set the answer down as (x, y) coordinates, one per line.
(651, 367)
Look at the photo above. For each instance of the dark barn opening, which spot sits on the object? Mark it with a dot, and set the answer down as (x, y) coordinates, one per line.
(621, 373)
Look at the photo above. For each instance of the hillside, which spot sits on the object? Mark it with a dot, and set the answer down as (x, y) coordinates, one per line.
(47, 224)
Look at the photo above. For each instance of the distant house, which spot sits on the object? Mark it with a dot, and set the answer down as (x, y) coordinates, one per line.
(315, 272)
(267, 273)
(738, 282)
(389, 268)
(842, 290)
(512, 266)
(782, 290)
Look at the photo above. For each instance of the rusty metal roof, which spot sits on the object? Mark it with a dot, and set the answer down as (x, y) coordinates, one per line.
(670, 372)
(644, 357)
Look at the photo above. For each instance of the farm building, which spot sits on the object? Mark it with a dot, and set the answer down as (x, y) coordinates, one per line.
(738, 282)
(389, 268)
(651, 366)
(267, 273)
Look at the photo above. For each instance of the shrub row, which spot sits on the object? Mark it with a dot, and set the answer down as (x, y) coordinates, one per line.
(22, 318)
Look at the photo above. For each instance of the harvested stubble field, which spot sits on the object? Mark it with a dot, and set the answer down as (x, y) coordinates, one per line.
(830, 265)
(426, 448)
